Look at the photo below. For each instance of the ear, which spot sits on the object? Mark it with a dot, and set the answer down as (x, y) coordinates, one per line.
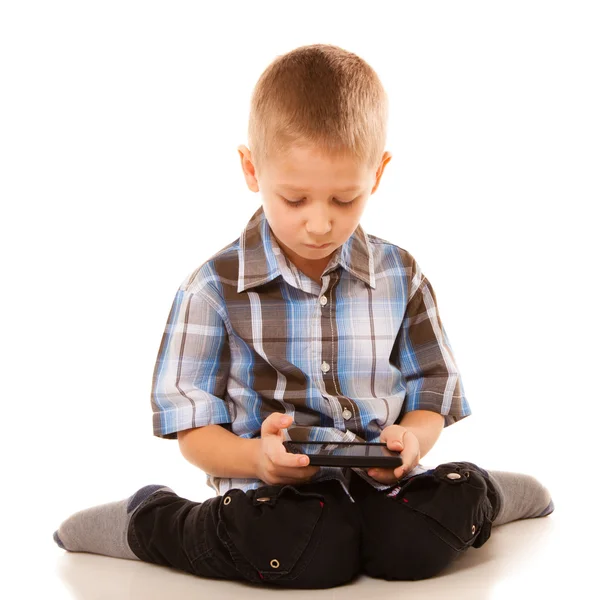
(384, 161)
(248, 168)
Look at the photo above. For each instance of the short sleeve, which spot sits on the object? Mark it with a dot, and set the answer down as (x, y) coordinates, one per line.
(192, 367)
(426, 360)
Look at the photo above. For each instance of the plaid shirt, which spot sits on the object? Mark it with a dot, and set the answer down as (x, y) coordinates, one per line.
(249, 334)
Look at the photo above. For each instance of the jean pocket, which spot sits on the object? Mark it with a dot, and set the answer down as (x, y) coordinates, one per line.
(268, 530)
(454, 500)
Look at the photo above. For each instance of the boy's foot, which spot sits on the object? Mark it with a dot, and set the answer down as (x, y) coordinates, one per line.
(102, 529)
(521, 497)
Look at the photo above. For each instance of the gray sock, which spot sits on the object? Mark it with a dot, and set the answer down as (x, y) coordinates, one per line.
(521, 497)
(102, 529)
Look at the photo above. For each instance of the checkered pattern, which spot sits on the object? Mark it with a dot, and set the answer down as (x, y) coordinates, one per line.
(249, 334)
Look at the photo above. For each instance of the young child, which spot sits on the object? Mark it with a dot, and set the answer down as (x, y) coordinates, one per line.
(306, 328)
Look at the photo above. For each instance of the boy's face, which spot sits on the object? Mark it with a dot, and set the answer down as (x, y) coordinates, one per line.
(327, 210)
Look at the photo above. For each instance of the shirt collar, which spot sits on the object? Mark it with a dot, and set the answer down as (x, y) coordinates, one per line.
(261, 258)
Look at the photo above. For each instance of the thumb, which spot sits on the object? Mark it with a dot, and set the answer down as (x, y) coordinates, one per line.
(394, 443)
(274, 423)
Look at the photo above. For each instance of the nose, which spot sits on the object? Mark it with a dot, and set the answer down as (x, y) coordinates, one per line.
(318, 223)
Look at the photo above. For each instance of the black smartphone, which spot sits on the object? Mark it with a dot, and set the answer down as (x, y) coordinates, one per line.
(346, 454)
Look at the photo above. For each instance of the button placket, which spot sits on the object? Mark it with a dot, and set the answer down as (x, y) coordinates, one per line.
(326, 367)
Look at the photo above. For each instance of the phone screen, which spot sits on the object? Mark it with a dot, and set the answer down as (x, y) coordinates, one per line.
(356, 449)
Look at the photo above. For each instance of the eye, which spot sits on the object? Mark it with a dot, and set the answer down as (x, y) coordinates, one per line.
(296, 203)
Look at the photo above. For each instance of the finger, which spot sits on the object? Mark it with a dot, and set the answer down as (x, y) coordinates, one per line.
(385, 476)
(395, 445)
(282, 458)
(410, 458)
(391, 434)
(375, 474)
(296, 475)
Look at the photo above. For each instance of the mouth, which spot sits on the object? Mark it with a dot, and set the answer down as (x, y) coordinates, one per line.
(318, 247)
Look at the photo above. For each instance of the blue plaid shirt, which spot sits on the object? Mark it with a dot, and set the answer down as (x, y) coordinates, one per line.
(249, 334)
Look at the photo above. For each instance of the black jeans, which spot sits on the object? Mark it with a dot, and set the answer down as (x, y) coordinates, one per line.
(313, 536)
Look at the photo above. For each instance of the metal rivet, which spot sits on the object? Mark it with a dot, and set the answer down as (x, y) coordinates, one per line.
(275, 563)
(227, 500)
(473, 529)
(453, 476)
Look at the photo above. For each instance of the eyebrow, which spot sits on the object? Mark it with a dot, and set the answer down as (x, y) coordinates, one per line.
(354, 188)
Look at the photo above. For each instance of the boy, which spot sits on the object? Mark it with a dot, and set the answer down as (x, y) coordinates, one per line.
(305, 328)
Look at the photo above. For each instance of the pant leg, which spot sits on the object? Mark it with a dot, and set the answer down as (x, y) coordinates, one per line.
(305, 536)
(415, 530)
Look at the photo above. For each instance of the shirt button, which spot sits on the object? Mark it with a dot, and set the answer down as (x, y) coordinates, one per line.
(453, 476)
(323, 300)
(346, 414)
(325, 367)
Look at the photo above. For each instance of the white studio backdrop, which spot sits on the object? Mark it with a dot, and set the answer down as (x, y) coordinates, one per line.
(119, 124)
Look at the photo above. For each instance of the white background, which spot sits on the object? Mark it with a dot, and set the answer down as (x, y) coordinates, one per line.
(119, 175)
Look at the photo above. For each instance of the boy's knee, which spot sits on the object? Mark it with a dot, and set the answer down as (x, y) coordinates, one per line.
(419, 531)
(411, 555)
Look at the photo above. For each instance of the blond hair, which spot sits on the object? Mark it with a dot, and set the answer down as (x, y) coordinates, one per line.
(320, 96)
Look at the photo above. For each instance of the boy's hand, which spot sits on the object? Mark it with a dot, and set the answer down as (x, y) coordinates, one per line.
(275, 465)
(398, 439)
